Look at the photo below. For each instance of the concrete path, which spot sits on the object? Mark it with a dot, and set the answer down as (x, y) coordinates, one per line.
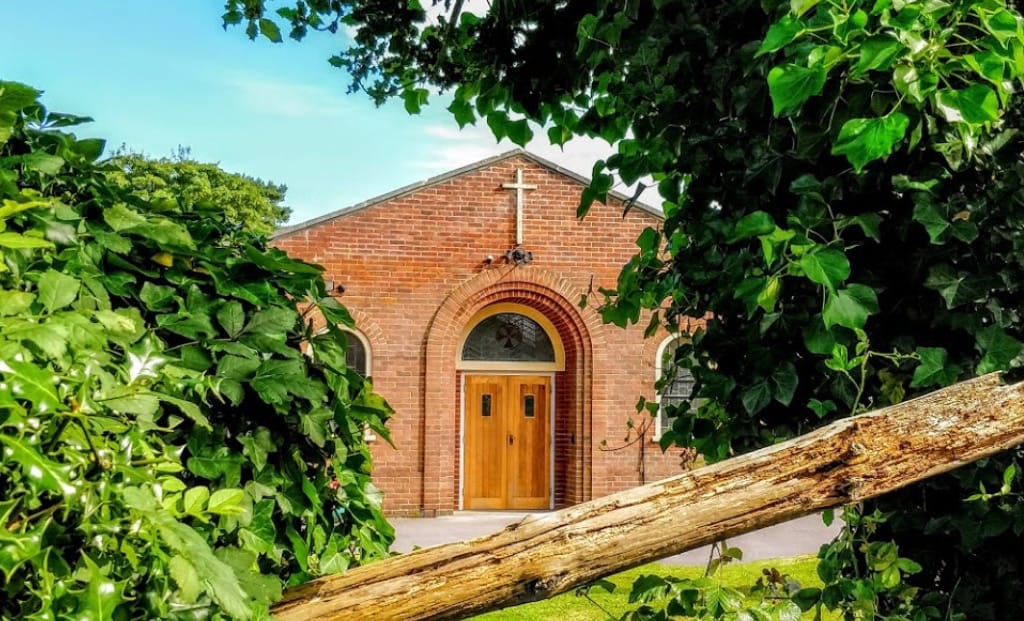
(801, 536)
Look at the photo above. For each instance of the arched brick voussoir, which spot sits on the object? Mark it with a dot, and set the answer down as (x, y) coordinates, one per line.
(555, 297)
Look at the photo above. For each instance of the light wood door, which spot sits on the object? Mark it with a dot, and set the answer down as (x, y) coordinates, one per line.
(507, 442)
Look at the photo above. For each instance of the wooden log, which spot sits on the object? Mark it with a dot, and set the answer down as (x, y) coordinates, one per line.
(541, 556)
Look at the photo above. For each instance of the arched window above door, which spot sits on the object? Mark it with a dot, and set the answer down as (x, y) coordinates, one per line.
(510, 337)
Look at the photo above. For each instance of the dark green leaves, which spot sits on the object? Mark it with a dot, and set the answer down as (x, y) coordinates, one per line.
(877, 52)
(753, 225)
(826, 266)
(975, 104)
(780, 33)
(865, 140)
(791, 85)
(934, 369)
(39, 469)
(999, 349)
(850, 307)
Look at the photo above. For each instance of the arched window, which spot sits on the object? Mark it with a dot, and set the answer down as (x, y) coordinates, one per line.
(678, 383)
(508, 337)
(357, 352)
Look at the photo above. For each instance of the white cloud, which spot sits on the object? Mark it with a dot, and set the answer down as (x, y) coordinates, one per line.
(285, 98)
(455, 148)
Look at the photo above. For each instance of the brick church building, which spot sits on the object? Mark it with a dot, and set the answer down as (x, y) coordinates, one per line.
(466, 293)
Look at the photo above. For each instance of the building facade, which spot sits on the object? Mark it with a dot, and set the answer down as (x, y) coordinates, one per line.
(466, 290)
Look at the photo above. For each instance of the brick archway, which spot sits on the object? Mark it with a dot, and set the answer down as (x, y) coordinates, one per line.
(580, 334)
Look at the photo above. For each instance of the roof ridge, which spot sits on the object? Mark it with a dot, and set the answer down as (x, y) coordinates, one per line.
(451, 174)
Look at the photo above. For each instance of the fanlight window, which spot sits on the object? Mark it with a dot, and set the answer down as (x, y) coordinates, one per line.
(508, 337)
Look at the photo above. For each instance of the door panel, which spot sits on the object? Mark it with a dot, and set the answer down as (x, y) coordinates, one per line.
(485, 486)
(507, 451)
(529, 459)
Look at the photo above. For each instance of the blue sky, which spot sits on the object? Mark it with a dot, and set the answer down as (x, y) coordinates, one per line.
(155, 75)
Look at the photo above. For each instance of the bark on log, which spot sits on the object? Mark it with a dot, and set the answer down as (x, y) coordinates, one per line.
(541, 556)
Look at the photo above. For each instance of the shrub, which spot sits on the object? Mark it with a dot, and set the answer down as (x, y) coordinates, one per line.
(168, 450)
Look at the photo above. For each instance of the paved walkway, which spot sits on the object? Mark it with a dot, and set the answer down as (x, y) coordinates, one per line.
(801, 536)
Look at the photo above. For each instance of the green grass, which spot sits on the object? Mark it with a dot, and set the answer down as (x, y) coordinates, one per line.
(570, 607)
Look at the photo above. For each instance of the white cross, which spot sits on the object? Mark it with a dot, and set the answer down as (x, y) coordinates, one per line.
(519, 186)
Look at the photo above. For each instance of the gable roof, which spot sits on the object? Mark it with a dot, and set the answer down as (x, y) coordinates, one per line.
(419, 185)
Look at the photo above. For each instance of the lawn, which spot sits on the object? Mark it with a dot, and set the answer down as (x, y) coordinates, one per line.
(570, 607)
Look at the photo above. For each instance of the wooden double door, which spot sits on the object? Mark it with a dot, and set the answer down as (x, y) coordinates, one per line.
(507, 455)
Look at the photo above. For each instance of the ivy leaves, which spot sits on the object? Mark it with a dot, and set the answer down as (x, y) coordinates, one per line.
(912, 48)
(164, 437)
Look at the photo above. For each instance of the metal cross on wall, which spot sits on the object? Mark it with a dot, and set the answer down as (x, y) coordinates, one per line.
(520, 188)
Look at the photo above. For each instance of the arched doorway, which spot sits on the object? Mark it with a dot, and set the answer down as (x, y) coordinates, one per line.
(509, 355)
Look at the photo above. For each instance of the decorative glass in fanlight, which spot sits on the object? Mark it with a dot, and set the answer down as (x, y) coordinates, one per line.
(508, 337)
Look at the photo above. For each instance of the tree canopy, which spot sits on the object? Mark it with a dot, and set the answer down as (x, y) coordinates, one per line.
(253, 203)
(169, 450)
(842, 186)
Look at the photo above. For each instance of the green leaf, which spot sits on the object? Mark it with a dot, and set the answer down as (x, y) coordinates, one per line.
(976, 104)
(102, 595)
(850, 307)
(826, 266)
(769, 295)
(237, 368)
(43, 163)
(226, 501)
(791, 85)
(19, 241)
(917, 87)
(256, 446)
(784, 382)
(956, 289)
(120, 218)
(273, 322)
(799, 7)
(195, 499)
(934, 370)
(867, 139)
(314, 424)
(877, 53)
(519, 132)
(807, 598)
(648, 588)
(939, 225)
(999, 349)
(38, 469)
(752, 225)
(270, 30)
(57, 290)
(13, 303)
(756, 397)
(186, 577)
(127, 402)
(231, 317)
(32, 383)
(780, 34)
(217, 577)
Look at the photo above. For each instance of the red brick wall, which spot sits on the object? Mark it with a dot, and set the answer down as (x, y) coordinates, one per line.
(414, 273)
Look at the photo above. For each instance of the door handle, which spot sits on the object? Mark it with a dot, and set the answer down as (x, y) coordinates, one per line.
(510, 439)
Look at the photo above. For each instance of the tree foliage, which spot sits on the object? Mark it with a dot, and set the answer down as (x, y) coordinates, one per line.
(842, 188)
(168, 450)
(250, 202)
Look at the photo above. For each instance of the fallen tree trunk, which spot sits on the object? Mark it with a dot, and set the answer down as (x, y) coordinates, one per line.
(541, 556)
